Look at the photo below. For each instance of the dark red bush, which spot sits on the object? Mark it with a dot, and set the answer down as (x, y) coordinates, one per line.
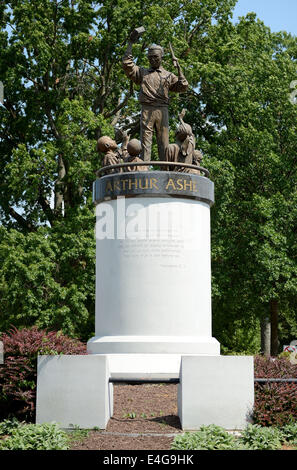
(18, 374)
(274, 368)
(275, 403)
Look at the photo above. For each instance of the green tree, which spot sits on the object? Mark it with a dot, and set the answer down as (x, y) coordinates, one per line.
(245, 86)
(60, 62)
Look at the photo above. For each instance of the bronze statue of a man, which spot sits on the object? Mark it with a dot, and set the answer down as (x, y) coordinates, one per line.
(155, 84)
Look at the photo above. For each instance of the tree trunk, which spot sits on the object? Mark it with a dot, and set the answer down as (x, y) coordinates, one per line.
(265, 336)
(274, 327)
(59, 189)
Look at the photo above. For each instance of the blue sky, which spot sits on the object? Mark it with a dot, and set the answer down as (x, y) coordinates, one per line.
(279, 15)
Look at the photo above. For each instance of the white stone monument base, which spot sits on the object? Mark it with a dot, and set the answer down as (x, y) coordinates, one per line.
(125, 344)
(144, 366)
(74, 391)
(216, 390)
(149, 357)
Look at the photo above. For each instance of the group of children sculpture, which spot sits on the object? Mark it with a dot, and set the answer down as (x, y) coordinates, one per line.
(155, 83)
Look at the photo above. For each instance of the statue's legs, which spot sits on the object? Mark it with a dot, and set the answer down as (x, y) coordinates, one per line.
(154, 118)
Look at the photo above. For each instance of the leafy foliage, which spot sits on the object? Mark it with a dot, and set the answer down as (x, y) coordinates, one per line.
(77, 434)
(289, 433)
(253, 437)
(210, 437)
(64, 87)
(275, 403)
(36, 437)
(43, 284)
(7, 425)
(18, 374)
(259, 438)
(245, 91)
(274, 368)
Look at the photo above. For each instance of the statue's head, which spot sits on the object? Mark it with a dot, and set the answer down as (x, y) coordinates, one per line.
(183, 131)
(134, 147)
(197, 157)
(155, 55)
(105, 143)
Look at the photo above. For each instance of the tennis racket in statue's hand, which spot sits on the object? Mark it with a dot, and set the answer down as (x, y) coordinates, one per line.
(136, 33)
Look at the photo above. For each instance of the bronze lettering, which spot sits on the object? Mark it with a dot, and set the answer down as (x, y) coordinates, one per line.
(179, 182)
(124, 184)
(146, 184)
(108, 186)
(116, 185)
(131, 183)
(170, 184)
(187, 184)
(153, 183)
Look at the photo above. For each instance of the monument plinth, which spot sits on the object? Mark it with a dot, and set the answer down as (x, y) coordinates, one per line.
(153, 272)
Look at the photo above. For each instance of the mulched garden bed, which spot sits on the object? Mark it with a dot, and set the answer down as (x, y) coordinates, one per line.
(145, 418)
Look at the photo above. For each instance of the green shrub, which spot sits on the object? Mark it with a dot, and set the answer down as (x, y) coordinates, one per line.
(8, 425)
(289, 433)
(262, 438)
(36, 437)
(254, 437)
(210, 437)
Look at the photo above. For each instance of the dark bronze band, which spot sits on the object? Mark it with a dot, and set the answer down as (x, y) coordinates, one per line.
(153, 184)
